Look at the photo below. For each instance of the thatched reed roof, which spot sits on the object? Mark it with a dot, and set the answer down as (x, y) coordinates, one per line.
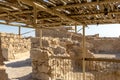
(53, 13)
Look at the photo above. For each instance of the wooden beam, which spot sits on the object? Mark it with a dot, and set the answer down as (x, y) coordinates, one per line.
(103, 20)
(40, 5)
(68, 23)
(103, 60)
(84, 15)
(16, 25)
(5, 8)
(35, 17)
(85, 4)
(17, 13)
(83, 52)
(94, 14)
(55, 12)
(10, 5)
(8, 12)
(31, 11)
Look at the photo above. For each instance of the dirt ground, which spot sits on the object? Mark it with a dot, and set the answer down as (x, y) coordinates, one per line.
(19, 69)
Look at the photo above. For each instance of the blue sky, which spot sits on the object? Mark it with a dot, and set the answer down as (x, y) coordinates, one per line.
(106, 30)
(13, 29)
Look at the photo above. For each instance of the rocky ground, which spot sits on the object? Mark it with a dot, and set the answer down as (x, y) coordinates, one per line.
(19, 69)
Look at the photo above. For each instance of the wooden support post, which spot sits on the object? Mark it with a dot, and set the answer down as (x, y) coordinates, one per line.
(40, 38)
(97, 1)
(75, 28)
(35, 16)
(35, 24)
(19, 31)
(84, 52)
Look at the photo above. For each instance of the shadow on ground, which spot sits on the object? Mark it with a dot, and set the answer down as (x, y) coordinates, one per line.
(26, 77)
(22, 63)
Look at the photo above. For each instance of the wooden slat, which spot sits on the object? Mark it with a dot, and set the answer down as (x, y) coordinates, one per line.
(103, 60)
(85, 4)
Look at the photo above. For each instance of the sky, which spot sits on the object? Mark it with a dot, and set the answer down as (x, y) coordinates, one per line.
(14, 29)
(106, 30)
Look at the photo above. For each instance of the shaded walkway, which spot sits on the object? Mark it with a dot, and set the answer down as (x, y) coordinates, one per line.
(19, 69)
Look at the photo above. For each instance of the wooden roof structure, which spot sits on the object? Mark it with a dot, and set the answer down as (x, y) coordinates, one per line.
(53, 13)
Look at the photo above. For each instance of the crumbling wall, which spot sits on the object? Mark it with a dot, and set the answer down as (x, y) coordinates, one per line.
(105, 45)
(3, 75)
(14, 46)
(44, 66)
(59, 44)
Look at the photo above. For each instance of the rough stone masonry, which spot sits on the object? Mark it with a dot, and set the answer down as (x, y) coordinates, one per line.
(55, 43)
(14, 46)
(3, 75)
(61, 43)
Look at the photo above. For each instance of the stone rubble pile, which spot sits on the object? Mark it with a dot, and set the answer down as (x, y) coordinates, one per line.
(14, 46)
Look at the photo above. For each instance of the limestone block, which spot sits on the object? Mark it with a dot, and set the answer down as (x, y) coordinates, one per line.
(45, 43)
(42, 76)
(3, 75)
(43, 68)
(118, 72)
(2, 34)
(54, 43)
(13, 44)
(37, 54)
(59, 50)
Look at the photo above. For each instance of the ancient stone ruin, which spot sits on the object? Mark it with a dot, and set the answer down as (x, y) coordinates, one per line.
(60, 55)
(3, 75)
(61, 52)
(47, 64)
(13, 46)
(59, 44)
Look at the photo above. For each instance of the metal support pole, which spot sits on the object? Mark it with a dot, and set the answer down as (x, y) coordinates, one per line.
(84, 52)
(40, 38)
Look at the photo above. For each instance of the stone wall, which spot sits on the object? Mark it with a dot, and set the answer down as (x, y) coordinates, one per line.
(60, 43)
(105, 45)
(14, 46)
(3, 75)
(59, 33)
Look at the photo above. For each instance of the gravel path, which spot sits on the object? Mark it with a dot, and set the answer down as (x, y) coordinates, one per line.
(19, 69)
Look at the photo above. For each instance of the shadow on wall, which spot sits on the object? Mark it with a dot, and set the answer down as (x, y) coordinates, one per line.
(23, 63)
